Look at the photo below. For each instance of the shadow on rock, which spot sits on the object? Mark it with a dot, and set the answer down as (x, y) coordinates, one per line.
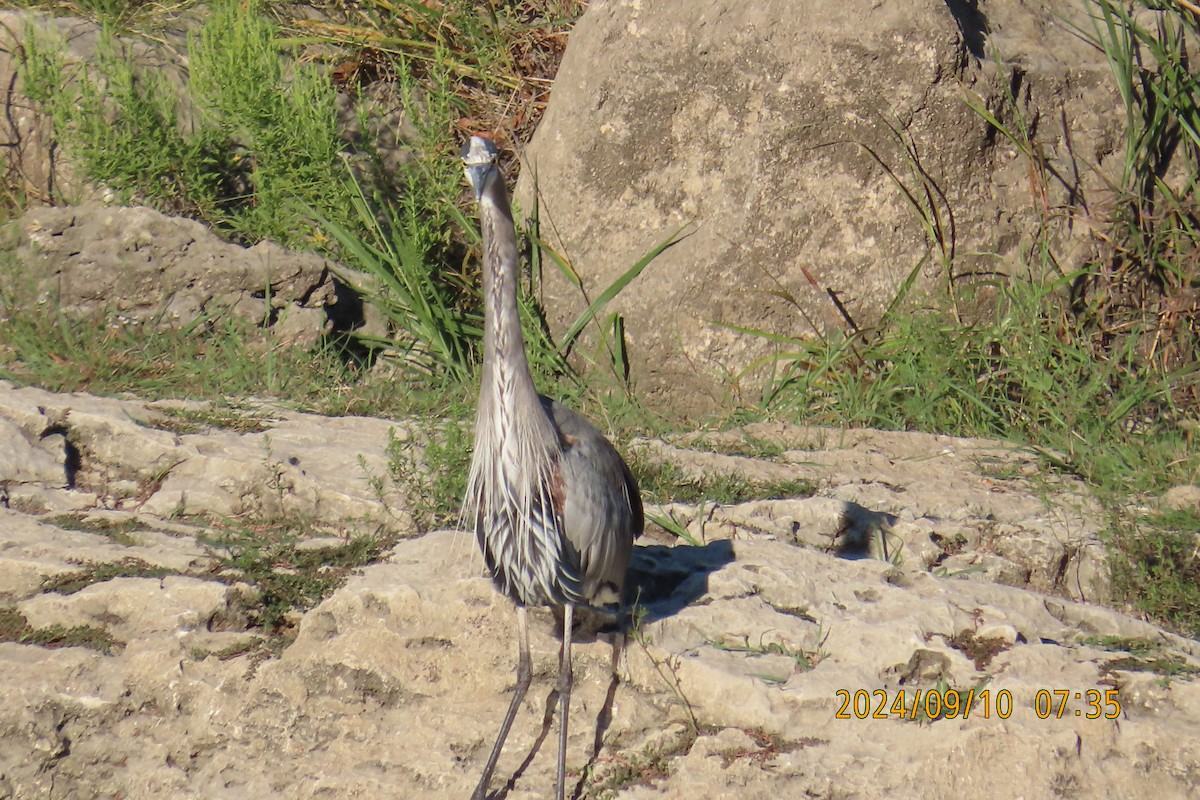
(864, 533)
(665, 580)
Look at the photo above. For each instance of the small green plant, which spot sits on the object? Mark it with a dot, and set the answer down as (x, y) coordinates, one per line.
(746, 445)
(99, 572)
(12, 624)
(643, 768)
(249, 645)
(87, 636)
(1157, 566)
(666, 668)
(1142, 655)
(767, 745)
(287, 577)
(218, 416)
(663, 481)
(609, 330)
(15, 628)
(433, 477)
(673, 526)
(118, 530)
(804, 660)
(1124, 644)
(1166, 665)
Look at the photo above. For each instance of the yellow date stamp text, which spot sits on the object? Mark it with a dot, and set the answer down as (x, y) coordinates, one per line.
(929, 704)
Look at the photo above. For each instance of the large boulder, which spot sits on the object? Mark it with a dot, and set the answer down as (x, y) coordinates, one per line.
(779, 133)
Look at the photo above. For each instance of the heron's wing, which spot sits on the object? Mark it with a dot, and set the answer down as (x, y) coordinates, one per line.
(602, 509)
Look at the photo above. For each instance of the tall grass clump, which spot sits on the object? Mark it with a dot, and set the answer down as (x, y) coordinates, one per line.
(407, 237)
(1023, 370)
(122, 127)
(1144, 285)
(251, 141)
(281, 124)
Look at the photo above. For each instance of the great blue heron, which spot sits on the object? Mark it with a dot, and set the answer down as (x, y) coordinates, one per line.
(555, 508)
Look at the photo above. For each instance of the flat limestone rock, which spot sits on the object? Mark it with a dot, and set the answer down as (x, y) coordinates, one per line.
(136, 455)
(770, 658)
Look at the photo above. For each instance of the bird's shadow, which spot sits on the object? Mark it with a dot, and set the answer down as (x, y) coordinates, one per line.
(661, 581)
(861, 527)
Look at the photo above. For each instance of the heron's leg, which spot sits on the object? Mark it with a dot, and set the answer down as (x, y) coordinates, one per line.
(524, 673)
(564, 699)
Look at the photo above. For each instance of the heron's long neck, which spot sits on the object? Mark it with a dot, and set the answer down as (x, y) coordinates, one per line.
(507, 382)
(514, 491)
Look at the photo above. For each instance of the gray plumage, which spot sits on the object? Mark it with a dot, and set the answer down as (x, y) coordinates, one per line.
(554, 506)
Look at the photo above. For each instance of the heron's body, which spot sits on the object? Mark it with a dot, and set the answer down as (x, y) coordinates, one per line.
(580, 556)
(554, 506)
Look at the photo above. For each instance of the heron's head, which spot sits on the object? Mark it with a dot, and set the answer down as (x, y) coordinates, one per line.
(479, 159)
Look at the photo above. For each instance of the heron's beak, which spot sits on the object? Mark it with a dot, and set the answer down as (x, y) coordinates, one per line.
(479, 160)
(477, 176)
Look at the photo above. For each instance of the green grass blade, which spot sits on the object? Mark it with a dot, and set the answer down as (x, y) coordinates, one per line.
(616, 287)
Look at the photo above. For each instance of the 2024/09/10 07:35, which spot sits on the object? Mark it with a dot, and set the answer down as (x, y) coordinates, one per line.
(931, 704)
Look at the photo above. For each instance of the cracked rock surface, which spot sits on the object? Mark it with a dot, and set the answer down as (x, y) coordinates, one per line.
(780, 655)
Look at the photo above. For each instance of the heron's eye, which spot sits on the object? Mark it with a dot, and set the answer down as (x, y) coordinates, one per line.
(466, 150)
